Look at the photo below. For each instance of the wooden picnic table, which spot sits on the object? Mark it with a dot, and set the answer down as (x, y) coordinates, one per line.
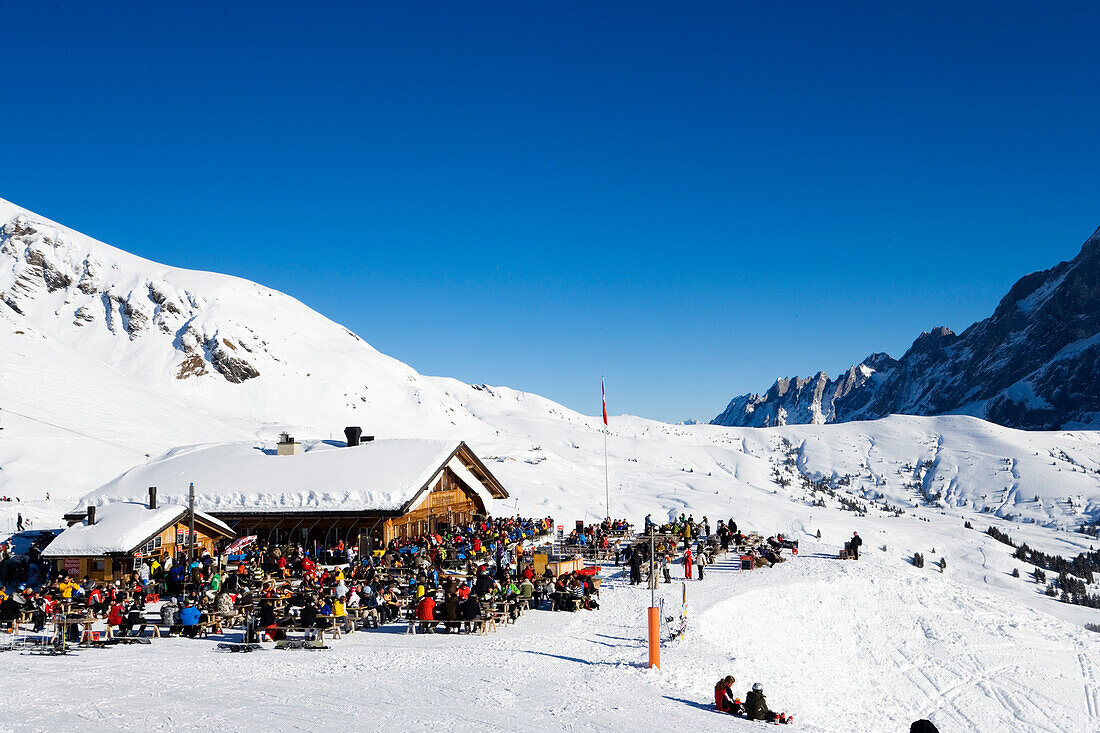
(60, 625)
(335, 627)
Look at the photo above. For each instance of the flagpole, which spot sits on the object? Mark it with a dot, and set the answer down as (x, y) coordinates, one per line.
(606, 429)
(606, 490)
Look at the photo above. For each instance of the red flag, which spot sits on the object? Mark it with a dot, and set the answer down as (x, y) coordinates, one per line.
(603, 393)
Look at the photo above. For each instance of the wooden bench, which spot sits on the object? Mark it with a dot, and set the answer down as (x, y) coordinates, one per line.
(483, 625)
(304, 630)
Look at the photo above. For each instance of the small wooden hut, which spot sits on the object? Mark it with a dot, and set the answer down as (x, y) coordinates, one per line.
(109, 542)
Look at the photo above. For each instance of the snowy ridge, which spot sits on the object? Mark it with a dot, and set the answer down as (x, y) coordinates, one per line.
(1031, 365)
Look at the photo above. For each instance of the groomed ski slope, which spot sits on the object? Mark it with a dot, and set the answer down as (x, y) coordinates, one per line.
(845, 646)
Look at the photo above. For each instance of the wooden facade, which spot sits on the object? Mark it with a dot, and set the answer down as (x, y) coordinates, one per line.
(449, 502)
(446, 500)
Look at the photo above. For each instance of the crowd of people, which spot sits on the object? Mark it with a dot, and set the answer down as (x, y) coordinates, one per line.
(693, 545)
(444, 580)
(599, 536)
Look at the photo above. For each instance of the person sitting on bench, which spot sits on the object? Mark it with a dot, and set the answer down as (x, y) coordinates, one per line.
(470, 610)
(450, 612)
(307, 617)
(133, 614)
(268, 622)
(170, 617)
(190, 617)
(425, 613)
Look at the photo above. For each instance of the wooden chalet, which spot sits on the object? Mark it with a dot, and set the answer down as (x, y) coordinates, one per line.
(320, 493)
(109, 542)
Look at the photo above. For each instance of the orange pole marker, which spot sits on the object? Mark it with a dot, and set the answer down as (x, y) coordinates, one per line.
(654, 637)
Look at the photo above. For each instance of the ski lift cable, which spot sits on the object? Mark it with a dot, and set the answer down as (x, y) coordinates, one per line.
(76, 432)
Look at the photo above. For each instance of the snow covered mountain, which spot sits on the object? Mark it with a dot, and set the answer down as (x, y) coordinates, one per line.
(121, 358)
(1033, 365)
(109, 361)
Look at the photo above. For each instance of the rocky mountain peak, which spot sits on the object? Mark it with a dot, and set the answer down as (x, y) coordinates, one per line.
(70, 282)
(1031, 364)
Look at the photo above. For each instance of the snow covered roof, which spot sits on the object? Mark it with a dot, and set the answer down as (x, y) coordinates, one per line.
(122, 527)
(381, 475)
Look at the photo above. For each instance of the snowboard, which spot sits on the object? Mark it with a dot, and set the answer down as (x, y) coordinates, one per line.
(241, 648)
(297, 644)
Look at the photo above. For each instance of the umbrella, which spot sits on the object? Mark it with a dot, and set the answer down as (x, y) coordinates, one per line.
(240, 544)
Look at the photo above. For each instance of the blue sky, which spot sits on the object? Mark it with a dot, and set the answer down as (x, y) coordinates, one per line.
(689, 198)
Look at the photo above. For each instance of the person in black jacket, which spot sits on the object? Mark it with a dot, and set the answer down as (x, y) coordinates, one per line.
(268, 622)
(854, 545)
(635, 566)
(483, 584)
(307, 617)
(9, 611)
(470, 610)
(756, 707)
(450, 612)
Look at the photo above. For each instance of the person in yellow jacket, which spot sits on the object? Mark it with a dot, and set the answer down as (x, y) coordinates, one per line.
(67, 588)
(340, 611)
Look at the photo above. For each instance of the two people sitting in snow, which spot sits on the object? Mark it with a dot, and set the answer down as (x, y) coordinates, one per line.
(755, 706)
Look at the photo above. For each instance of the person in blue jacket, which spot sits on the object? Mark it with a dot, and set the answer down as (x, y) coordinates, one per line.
(189, 618)
(175, 580)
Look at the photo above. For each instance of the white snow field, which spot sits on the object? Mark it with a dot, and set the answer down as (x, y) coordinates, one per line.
(110, 363)
(845, 646)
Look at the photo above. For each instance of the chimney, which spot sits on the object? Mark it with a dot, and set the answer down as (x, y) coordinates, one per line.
(288, 446)
(91, 515)
(152, 497)
(353, 435)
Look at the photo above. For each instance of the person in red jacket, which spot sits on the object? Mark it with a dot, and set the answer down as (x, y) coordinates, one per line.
(425, 612)
(724, 699)
(114, 615)
(687, 563)
(96, 602)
